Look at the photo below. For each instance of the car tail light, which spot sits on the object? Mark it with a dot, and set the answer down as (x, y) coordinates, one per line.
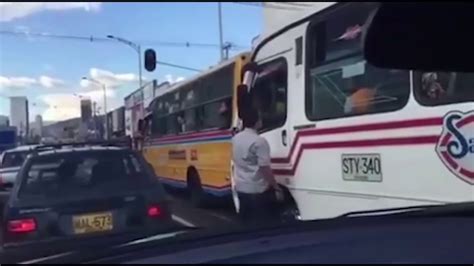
(22, 226)
(154, 211)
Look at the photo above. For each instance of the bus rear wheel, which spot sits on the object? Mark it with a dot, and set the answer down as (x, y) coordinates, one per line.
(197, 195)
(289, 211)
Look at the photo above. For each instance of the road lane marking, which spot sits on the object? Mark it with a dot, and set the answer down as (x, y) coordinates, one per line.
(182, 221)
(219, 216)
(46, 258)
(151, 238)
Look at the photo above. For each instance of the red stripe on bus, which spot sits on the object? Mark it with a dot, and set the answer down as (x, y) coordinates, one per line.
(357, 143)
(445, 140)
(434, 121)
(193, 135)
(465, 121)
(467, 173)
(449, 160)
(460, 124)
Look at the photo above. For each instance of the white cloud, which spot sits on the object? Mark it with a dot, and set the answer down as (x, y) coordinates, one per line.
(172, 80)
(49, 82)
(28, 82)
(97, 95)
(14, 10)
(16, 82)
(108, 78)
(63, 106)
(60, 106)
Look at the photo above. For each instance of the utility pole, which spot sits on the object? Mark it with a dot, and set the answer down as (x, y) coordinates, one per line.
(226, 48)
(221, 38)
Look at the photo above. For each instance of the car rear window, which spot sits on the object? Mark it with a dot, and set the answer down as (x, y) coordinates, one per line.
(14, 159)
(82, 173)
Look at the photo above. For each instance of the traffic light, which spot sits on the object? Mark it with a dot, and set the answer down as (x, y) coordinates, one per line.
(150, 60)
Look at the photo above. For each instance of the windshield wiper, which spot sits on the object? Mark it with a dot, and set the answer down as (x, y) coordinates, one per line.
(462, 208)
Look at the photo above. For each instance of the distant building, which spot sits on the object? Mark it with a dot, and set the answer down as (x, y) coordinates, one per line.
(63, 129)
(86, 110)
(118, 122)
(134, 110)
(19, 115)
(39, 125)
(4, 121)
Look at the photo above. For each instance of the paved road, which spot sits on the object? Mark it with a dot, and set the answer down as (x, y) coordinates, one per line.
(219, 216)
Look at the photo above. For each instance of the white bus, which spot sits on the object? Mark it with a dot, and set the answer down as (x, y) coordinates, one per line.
(346, 136)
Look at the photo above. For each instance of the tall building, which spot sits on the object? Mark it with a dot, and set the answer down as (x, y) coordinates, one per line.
(4, 121)
(19, 115)
(39, 125)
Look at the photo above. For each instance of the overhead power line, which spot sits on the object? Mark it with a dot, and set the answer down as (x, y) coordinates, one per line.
(107, 40)
(54, 36)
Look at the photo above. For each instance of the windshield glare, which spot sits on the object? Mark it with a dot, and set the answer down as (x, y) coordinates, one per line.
(132, 114)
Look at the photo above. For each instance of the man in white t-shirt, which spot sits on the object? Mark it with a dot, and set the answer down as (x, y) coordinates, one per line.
(253, 177)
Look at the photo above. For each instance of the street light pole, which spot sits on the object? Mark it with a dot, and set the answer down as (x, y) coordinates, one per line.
(137, 49)
(139, 65)
(104, 88)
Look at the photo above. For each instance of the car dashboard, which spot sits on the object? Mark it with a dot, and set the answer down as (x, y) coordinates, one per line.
(349, 240)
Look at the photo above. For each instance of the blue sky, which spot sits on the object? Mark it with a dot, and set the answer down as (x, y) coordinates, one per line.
(48, 71)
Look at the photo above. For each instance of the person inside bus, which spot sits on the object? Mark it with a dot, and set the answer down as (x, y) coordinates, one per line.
(255, 184)
(364, 89)
(431, 86)
(360, 101)
(225, 113)
(181, 123)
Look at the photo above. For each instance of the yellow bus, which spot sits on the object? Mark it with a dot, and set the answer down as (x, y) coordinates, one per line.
(190, 131)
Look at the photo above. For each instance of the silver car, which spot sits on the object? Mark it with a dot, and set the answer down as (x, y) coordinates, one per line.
(10, 164)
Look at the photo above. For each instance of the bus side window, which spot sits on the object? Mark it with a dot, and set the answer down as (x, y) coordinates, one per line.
(215, 115)
(270, 93)
(340, 83)
(440, 88)
(190, 119)
(225, 111)
(172, 125)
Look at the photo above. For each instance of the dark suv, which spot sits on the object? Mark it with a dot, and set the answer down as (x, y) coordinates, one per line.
(83, 192)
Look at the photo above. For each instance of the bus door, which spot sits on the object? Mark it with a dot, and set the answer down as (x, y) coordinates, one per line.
(270, 96)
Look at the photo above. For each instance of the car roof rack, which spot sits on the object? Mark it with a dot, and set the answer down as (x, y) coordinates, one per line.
(109, 143)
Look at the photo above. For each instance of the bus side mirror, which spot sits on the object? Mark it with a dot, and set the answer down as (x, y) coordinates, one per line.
(242, 99)
(416, 36)
(150, 60)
